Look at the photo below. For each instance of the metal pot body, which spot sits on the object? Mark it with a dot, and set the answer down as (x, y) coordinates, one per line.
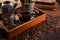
(7, 8)
(29, 7)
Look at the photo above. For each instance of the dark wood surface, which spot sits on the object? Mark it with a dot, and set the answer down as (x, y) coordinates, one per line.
(54, 14)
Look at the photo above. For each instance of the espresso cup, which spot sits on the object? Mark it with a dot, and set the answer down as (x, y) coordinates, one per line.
(24, 16)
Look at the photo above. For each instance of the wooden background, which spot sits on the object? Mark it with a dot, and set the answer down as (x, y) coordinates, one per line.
(7, 0)
(18, 2)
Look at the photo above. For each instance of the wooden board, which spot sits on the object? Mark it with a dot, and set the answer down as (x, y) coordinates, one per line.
(50, 6)
(46, 1)
(21, 28)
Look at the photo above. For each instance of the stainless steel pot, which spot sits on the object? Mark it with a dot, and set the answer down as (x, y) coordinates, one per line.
(8, 8)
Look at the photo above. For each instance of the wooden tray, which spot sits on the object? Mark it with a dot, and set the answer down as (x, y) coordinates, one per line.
(50, 6)
(21, 28)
